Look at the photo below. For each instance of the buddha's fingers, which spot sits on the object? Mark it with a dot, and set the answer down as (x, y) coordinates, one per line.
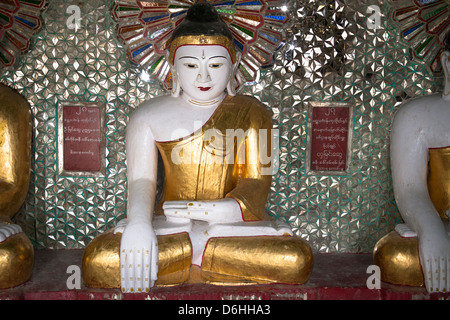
(190, 205)
(448, 274)
(126, 269)
(175, 204)
(153, 264)
(14, 228)
(445, 272)
(3, 235)
(426, 268)
(435, 274)
(187, 214)
(146, 267)
(149, 269)
(138, 267)
(8, 230)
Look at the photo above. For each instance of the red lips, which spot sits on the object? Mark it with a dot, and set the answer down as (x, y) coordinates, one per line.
(204, 88)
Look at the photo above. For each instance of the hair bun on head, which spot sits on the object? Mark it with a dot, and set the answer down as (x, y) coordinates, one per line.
(202, 26)
(202, 18)
(202, 12)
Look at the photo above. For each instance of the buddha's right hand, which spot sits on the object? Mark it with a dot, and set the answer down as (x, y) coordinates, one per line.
(138, 257)
(434, 253)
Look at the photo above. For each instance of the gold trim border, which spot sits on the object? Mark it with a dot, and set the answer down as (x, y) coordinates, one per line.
(202, 40)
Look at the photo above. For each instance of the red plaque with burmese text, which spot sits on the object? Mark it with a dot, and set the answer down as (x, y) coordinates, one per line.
(330, 128)
(81, 141)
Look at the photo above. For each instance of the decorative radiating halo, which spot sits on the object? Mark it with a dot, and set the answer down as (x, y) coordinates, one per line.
(423, 25)
(145, 28)
(19, 21)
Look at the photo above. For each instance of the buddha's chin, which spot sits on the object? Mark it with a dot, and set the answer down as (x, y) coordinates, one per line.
(205, 95)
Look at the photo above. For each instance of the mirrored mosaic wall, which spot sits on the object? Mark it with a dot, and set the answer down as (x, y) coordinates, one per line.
(330, 55)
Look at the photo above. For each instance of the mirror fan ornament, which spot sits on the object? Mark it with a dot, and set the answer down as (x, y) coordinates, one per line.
(19, 21)
(423, 25)
(145, 28)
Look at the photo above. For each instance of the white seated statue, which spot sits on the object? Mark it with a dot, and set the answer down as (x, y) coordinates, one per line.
(420, 160)
(211, 225)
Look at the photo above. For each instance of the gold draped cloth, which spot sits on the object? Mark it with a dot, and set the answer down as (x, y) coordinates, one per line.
(222, 159)
(225, 158)
(439, 180)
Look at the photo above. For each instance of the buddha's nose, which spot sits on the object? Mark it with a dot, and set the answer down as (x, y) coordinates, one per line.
(203, 75)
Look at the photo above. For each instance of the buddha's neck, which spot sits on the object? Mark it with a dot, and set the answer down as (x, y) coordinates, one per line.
(201, 103)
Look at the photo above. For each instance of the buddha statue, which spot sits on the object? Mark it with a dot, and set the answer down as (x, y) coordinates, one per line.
(417, 252)
(211, 225)
(16, 251)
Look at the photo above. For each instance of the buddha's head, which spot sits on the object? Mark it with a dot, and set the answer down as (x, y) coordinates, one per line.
(445, 61)
(202, 55)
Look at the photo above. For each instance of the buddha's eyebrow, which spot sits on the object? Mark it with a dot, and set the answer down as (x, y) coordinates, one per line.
(196, 58)
(188, 57)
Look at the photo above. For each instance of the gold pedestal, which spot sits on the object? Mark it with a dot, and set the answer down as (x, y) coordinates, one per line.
(101, 260)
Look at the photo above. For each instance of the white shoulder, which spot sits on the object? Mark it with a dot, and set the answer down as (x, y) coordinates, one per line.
(420, 105)
(423, 119)
(417, 110)
(151, 110)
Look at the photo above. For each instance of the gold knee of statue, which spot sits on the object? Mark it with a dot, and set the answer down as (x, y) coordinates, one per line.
(16, 260)
(398, 259)
(101, 260)
(270, 259)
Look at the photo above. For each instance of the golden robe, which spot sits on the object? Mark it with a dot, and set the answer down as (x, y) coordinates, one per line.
(222, 159)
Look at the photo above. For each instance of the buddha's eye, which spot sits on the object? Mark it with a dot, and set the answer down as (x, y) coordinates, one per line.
(191, 65)
(215, 65)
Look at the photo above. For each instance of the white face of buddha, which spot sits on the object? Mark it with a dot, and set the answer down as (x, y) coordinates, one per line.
(203, 71)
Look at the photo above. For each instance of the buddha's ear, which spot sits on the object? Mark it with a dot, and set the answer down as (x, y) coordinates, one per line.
(176, 89)
(238, 60)
(167, 54)
(445, 61)
(231, 86)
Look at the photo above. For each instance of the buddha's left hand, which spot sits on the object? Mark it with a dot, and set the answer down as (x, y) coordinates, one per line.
(213, 211)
